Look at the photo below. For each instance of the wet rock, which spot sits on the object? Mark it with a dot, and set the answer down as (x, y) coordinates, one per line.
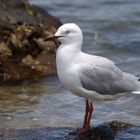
(101, 132)
(98, 133)
(106, 131)
(118, 126)
(23, 52)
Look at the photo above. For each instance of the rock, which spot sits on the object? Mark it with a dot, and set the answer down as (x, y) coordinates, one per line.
(23, 52)
(106, 131)
(4, 49)
(100, 132)
(28, 60)
(118, 126)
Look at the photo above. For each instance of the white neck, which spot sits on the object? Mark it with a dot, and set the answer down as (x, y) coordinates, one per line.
(67, 53)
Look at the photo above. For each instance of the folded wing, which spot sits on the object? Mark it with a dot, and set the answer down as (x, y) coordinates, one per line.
(107, 79)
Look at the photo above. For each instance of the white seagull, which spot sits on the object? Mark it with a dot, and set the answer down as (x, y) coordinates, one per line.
(89, 76)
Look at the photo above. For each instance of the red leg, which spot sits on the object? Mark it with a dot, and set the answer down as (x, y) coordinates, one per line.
(86, 114)
(84, 129)
(89, 115)
(87, 118)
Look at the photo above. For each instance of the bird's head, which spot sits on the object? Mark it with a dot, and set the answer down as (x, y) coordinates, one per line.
(67, 34)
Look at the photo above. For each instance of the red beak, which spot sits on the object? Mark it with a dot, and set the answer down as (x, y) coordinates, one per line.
(48, 38)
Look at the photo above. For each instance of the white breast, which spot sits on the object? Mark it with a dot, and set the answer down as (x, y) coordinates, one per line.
(66, 69)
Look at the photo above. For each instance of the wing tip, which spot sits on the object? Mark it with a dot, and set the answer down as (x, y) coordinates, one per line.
(136, 92)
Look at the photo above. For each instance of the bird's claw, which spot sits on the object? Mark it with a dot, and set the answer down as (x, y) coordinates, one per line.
(82, 130)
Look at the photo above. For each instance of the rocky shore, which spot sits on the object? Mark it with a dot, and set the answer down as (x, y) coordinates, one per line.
(114, 130)
(23, 53)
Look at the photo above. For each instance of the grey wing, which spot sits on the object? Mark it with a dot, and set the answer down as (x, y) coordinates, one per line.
(107, 79)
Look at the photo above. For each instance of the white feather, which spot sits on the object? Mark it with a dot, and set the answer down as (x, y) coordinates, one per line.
(136, 92)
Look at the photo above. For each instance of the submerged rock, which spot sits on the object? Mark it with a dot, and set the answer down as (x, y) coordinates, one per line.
(22, 49)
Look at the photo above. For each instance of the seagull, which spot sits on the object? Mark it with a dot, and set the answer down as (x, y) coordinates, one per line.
(90, 76)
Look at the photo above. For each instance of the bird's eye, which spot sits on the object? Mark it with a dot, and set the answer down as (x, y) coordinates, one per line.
(67, 32)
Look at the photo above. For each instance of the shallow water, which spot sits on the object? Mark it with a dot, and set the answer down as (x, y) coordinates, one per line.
(111, 29)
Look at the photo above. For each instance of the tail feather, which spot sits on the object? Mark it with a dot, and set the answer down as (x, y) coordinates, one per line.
(136, 92)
